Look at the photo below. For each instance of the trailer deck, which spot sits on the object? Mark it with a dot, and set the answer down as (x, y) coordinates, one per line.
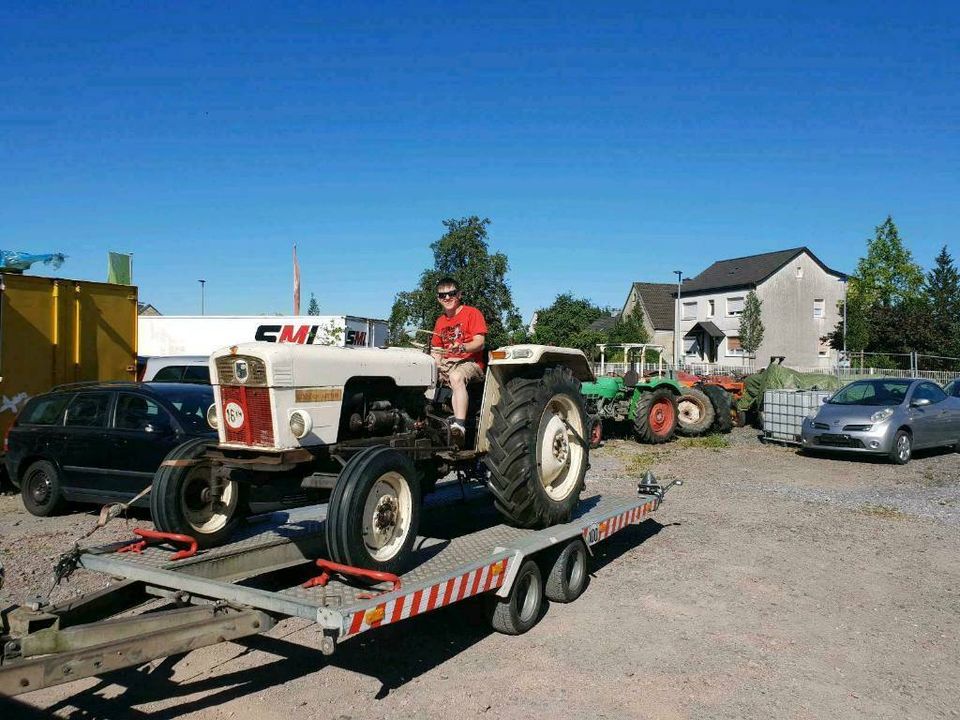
(245, 586)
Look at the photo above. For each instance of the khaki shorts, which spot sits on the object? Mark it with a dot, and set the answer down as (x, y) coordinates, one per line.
(466, 369)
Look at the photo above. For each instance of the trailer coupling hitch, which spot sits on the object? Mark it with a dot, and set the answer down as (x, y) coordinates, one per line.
(650, 486)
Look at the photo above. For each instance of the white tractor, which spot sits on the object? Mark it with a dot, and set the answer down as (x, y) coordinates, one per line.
(372, 427)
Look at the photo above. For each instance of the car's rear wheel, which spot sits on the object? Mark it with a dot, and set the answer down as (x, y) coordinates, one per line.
(41, 489)
(902, 448)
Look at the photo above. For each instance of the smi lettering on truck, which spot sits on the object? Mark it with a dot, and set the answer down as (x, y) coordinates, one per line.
(304, 334)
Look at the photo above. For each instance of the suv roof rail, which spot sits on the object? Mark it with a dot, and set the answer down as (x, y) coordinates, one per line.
(92, 383)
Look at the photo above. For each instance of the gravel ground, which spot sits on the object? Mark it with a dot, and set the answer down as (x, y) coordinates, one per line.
(769, 585)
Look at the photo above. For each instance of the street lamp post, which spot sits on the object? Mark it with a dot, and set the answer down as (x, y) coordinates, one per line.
(202, 283)
(676, 322)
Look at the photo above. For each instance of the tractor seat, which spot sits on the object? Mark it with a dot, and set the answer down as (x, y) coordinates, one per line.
(631, 378)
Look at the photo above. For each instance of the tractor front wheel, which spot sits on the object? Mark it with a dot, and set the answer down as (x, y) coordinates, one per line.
(655, 421)
(695, 413)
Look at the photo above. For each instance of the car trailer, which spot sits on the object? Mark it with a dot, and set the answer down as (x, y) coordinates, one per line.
(269, 573)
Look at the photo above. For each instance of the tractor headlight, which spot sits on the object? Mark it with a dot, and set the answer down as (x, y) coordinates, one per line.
(300, 423)
(882, 415)
(212, 419)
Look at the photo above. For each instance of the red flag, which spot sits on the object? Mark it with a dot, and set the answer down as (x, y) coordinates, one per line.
(296, 283)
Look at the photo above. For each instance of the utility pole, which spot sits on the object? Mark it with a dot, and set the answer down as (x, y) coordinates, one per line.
(202, 283)
(676, 322)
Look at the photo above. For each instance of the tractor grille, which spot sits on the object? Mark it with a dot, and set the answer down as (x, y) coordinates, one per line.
(257, 426)
(255, 368)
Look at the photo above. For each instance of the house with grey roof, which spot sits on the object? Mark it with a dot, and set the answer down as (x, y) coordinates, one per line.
(655, 302)
(800, 297)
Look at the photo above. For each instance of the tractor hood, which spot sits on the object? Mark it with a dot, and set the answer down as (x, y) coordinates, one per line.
(291, 365)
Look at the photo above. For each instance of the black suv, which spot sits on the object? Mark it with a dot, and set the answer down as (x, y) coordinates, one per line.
(100, 442)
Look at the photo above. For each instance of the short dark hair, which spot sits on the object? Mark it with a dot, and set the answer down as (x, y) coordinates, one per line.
(444, 282)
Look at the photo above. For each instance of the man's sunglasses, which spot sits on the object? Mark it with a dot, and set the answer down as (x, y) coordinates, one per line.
(445, 295)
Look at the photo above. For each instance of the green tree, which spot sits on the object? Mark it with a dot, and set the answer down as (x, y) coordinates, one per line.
(943, 300)
(886, 277)
(462, 253)
(751, 324)
(566, 323)
(314, 307)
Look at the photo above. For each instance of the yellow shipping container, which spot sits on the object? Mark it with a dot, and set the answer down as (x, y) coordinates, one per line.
(55, 331)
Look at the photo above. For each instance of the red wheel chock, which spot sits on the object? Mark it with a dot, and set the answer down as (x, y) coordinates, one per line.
(329, 567)
(155, 535)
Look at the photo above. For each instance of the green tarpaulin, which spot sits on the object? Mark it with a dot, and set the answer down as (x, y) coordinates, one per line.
(120, 269)
(776, 377)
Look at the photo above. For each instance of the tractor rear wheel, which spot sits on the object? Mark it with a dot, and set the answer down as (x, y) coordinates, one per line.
(539, 448)
(695, 414)
(655, 421)
(721, 401)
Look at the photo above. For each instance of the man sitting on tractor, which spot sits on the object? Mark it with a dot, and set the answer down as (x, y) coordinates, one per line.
(458, 338)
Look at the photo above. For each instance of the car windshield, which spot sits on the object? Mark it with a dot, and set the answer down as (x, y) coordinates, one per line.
(953, 388)
(872, 392)
(190, 403)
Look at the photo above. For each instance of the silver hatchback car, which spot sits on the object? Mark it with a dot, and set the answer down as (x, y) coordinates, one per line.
(891, 417)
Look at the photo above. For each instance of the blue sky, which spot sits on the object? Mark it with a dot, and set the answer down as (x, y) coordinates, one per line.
(607, 142)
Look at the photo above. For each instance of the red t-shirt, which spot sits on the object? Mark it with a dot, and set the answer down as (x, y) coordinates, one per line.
(460, 329)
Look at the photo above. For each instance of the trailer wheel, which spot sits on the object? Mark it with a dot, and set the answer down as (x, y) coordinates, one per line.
(568, 577)
(722, 403)
(520, 610)
(539, 448)
(374, 511)
(41, 490)
(655, 421)
(186, 501)
(695, 412)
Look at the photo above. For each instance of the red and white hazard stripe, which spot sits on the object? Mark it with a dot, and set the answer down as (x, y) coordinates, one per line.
(482, 579)
(606, 528)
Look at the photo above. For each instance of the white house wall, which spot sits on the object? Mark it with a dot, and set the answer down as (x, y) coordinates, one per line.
(787, 313)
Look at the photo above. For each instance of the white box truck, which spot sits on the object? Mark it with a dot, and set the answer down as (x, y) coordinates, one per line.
(163, 335)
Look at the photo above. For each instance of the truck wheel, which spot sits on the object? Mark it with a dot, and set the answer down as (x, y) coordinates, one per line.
(520, 610)
(182, 499)
(374, 511)
(722, 402)
(568, 577)
(41, 490)
(538, 448)
(695, 414)
(655, 421)
(596, 432)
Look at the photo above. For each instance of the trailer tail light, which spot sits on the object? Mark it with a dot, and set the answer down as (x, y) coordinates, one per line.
(247, 417)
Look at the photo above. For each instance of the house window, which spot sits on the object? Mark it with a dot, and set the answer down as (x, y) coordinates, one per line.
(735, 305)
(690, 310)
(818, 308)
(690, 346)
(823, 349)
(711, 308)
(733, 346)
(799, 272)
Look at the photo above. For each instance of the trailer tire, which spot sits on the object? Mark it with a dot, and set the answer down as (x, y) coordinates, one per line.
(568, 577)
(41, 489)
(539, 448)
(721, 401)
(377, 496)
(695, 412)
(522, 608)
(178, 502)
(655, 421)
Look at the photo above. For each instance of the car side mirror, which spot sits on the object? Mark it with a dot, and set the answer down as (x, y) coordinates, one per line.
(919, 402)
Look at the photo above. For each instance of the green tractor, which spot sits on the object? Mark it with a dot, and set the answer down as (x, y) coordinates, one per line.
(648, 403)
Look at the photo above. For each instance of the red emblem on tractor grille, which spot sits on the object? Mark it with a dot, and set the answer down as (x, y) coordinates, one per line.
(247, 416)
